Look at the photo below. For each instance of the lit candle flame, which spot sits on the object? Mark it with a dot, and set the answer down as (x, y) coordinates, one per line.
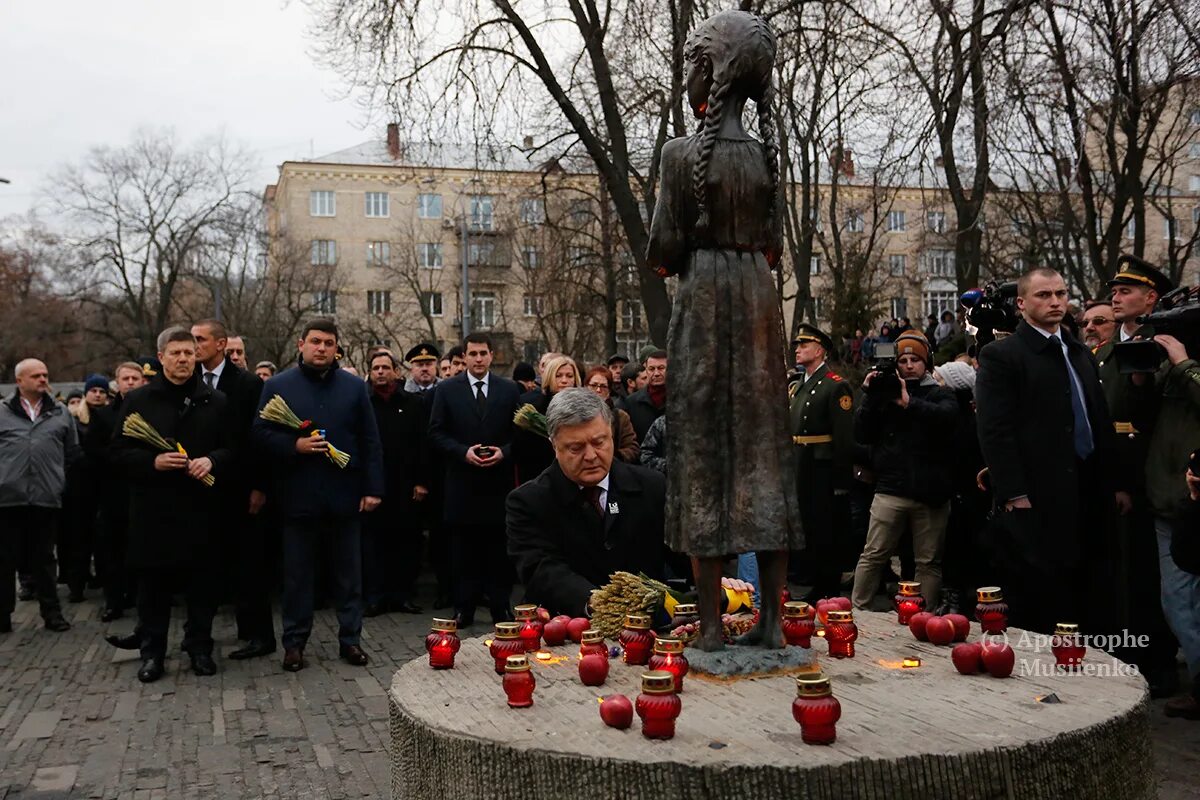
(912, 662)
(542, 655)
(487, 642)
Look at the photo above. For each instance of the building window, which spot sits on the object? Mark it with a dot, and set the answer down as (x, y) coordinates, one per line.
(632, 343)
(534, 305)
(482, 212)
(380, 343)
(377, 204)
(631, 315)
(431, 303)
(899, 307)
(1171, 228)
(1130, 229)
(936, 221)
(531, 257)
(429, 206)
(1196, 216)
(581, 211)
(533, 211)
(379, 302)
(854, 221)
(325, 301)
(321, 204)
(814, 265)
(429, 255)
(1019, 265)
(940, 262)
(896, 221)
(481, 254)
(814, 214)
(1194, 183)
(898, 264)
(936, 302)
(1194, 117)
(483, 310)
(324, 252)
(532, 350)
(379, 254)
(576, 256)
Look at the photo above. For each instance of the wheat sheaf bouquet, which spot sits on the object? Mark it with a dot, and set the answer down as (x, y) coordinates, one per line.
(136, 427)
(277, 410)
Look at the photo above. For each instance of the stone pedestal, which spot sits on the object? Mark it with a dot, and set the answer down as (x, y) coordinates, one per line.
(920, 733)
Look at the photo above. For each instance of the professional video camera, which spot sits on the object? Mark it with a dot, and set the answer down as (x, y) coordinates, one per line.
(991, 310)
(1178, 315)
(885, 385)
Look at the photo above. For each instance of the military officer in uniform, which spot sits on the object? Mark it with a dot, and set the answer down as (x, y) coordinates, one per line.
(1135, 290)
(822, 425)
(423, 361)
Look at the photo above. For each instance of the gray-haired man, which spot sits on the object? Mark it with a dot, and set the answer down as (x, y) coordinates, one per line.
(586, 516)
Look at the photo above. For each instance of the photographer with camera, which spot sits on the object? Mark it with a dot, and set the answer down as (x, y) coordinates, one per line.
(1049, 446)
(1129, 390)
(907, 419)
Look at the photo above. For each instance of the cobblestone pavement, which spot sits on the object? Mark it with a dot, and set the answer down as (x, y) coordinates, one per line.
(75, 722)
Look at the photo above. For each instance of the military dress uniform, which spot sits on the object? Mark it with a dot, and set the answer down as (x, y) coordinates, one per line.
(1133, 409)
(822, 424)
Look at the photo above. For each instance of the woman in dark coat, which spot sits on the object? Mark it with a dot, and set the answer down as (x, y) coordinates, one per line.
(716, 225)
(532, 452)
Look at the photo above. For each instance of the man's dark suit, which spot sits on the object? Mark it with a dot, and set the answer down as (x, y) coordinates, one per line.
(244, 539)
(1049, 555)
(474, 496)
(563, 549)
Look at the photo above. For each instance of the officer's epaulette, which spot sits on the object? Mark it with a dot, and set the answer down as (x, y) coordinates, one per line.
(833, 376)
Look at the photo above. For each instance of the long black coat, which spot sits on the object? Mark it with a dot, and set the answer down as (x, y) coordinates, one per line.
(403, 422)
(173, 519)
(474, 495)
(242, 391)
(562, 549)
(1026, 434)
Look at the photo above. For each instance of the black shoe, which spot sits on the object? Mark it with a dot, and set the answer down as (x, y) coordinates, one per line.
(408, 607)
(374, 610)
(203, 664)
(128, 642)
(57, 623)
(256, 648)
(25, 593)
(293, 659)
(353, 654)
(442, 601)
(464, 620)
(76, 595)
(6, 624)
(110, 614)
(152, 670)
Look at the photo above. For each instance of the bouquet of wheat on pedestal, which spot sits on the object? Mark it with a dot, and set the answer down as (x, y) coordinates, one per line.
(136, 427)
(277, 410)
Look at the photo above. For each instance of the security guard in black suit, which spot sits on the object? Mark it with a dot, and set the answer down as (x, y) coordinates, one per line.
(822, 425)
(1136, 288)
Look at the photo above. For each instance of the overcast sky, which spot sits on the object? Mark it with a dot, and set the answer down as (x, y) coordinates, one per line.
(82, 73)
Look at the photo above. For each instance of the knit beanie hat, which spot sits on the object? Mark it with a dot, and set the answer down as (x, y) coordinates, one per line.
(957, 375)
(95, 382)
(911, 342)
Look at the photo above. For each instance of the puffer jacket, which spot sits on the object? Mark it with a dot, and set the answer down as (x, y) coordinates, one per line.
(34, 454)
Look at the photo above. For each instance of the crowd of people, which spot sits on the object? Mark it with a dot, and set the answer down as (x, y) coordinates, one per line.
(1041, 463)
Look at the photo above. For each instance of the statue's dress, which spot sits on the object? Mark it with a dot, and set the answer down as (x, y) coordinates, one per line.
(730, 474)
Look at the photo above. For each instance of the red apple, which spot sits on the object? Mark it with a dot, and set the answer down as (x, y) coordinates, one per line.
(543, 616)
(962, 626)
(616, 711)
(939, 630)
(593, 669)
(576, 627)
(916, 624)
(967, 658)
(563, 618)
(554, 632)
(840, 603)
(998, 659)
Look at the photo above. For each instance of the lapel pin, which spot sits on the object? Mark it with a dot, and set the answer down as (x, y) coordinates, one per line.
(613, 508)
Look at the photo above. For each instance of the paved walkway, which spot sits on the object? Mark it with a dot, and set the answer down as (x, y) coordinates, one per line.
(75, 722)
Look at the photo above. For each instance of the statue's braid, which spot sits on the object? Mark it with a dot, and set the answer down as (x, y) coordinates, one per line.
(708, 140)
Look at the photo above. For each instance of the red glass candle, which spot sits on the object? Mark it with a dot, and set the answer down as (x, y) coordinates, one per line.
(816, 709)
(637, 642)
(991, 610)
(592, 642)
(840, 632)
(799, 623)
(518, 681)
(668, 657)
(658, 705)
(1067, 646)
(686, 614)
(507, 642)
(442, 643)
(908, 601)
(531, 626)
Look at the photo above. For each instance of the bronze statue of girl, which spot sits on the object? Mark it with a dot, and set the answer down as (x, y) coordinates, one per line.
(730, 477)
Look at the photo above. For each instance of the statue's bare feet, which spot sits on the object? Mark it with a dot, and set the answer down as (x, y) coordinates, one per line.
(765, 633)
(709, 641)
